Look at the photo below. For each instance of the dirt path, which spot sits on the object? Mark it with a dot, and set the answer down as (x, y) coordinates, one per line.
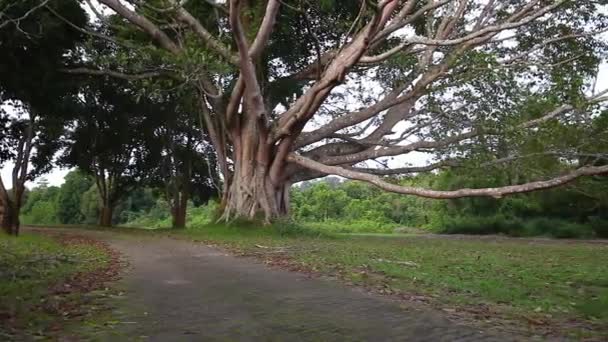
(182, 291)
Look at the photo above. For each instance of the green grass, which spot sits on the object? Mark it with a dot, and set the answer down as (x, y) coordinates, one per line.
(29, 265)
(560, 286)
(564, 285)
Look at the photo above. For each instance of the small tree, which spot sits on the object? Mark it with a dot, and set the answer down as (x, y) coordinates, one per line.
(181, 159)
(70, 196)
(107, 141)
(32, 91)
(31, 142)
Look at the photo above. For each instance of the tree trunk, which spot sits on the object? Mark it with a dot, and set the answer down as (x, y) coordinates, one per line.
(178, 217)
(10, 219)
(254, 197)
(257, 189)
(105, 216)
(178, 212)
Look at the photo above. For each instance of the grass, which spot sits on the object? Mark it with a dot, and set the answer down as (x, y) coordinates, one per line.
(29, 266)
(534, 286)
(561, 287)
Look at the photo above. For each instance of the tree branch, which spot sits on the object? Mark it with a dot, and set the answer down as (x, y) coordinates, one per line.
(144, 24)
(122, 75)
(206, 36)
(263, 35)
(25, 15)
(406, 170)
(497, 192)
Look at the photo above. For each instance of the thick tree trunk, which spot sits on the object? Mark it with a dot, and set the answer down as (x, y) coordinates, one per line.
(258, 188)
(255, 197)
(105, 216)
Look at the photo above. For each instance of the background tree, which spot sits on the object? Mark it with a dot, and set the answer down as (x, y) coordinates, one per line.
(32, 142)
(70, 196)
(40, 206)
(32, 91)
(107, 141)
(182, 161)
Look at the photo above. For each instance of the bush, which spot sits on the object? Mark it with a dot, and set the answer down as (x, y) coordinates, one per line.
(498, 224)
(202, 215)
(543, 226)
(291, 228)
(482, 225)
(599, 227)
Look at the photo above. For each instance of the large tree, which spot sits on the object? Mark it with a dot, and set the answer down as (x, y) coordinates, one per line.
(295, 90)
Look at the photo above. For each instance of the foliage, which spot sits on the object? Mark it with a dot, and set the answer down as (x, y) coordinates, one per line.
(540, 226)
(41, 206)
(76, 201)
(107, 140)
(357, 206)
(35, 49)
(69, 201)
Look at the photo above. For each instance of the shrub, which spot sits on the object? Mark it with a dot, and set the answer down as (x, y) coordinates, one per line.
(599, 226)
(498, 224)
(202, 215)
(543, 226)
(482, 225)
(292, 228)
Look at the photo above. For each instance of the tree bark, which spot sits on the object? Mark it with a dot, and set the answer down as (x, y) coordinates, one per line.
(254, 196)
(10, 220)
(179, 217)
(105, 216)
(178, 212)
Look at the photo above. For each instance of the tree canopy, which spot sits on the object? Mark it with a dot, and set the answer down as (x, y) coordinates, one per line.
(296, 90)
(34, 93)
(248, 97)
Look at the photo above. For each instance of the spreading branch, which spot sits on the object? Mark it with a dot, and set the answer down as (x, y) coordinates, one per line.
(497, 192)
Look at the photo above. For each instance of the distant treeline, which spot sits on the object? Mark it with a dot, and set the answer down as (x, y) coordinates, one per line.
(579, 210)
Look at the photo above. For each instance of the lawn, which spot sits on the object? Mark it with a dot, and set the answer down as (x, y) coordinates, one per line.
(33, 271)
(539, 286)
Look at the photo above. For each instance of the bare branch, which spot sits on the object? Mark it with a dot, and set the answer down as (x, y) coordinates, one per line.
(493, 29)
(92, 33)
(551, 41)
(497, 192)
(144, 24)
(406, 170)
(261, 39)
(24, 16)
(248, 74)
(307, 105)
(122, 75)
